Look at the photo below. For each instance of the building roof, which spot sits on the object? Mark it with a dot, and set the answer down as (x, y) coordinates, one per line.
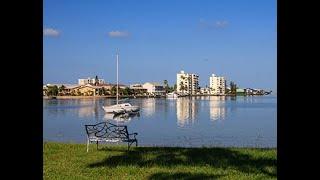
(153, 83)
(108, 84)
(239, 90)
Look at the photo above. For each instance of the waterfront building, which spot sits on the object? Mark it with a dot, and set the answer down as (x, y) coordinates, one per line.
(187, 83)
(90, 81)
(205, 90)
(217, 85)
(154, 88)
(138, 89)
(86, 90)
(240, 92)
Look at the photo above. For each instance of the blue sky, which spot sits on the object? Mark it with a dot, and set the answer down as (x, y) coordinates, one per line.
(158, 38)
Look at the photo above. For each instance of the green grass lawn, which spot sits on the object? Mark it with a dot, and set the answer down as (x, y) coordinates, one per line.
(71, 161)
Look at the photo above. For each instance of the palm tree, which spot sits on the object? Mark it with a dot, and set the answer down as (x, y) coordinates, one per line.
(52, 91)
(233, 87)
(96, 80)
(166, 86)
(61, 89)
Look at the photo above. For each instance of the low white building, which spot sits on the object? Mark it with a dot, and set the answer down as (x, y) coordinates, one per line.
(90, 81)
(217, 85)
(154, 88)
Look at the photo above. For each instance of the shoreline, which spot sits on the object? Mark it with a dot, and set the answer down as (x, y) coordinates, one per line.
(131, 97)
(95, 97)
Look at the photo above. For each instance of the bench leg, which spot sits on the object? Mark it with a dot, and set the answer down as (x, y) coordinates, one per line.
(136, 143)
(97, 144)
(88, 142)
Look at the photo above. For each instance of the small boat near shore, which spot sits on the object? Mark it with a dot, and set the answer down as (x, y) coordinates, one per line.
(172, 95)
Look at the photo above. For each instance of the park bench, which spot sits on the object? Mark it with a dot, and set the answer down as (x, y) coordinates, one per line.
(108, 132)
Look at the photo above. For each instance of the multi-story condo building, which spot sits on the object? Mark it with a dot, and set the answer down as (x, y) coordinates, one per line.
(90, 81)
(217, 85)
(187, 83)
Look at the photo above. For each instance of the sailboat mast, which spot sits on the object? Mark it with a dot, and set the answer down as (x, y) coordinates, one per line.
(117, 80)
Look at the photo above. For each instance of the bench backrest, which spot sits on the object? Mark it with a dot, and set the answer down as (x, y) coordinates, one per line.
(107, 130)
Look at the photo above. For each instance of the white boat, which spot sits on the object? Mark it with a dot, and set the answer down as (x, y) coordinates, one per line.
(172, 95)
(123, 107)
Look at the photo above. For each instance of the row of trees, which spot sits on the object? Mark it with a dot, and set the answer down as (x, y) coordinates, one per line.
(233, 88)
(55, 91)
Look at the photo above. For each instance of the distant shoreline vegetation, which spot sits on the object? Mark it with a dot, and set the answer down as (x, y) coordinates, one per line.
(130, 97)
(152, 90)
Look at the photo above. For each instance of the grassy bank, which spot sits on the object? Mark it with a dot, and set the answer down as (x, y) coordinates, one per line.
(71, 161)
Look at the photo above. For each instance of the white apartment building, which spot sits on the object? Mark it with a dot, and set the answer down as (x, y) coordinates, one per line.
(154, 88)
(187, 83)
(90, 81)
(217, 85)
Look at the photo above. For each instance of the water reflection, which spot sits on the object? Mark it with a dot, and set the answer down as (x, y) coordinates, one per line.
(186, 111)
(217, 108)
(89, 110)
(148, 106)
(85, 112)
(187, 121)
(120, 118)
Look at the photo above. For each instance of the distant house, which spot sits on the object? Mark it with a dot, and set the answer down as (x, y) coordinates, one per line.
(86, 90)
(138, 89)
(251, 91)
(205, 90)
(90, 81)
(240, 92)
(154, 88)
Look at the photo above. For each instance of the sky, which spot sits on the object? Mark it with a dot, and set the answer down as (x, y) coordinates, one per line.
(156, 39)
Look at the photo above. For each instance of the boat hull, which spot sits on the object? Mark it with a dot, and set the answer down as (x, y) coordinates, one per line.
(172, 95)
(120, 108)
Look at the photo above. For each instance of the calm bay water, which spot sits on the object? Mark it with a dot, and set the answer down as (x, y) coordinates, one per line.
(188, 121)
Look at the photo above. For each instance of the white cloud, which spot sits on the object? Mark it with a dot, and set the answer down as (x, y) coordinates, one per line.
(51, 32)
(118, 34)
